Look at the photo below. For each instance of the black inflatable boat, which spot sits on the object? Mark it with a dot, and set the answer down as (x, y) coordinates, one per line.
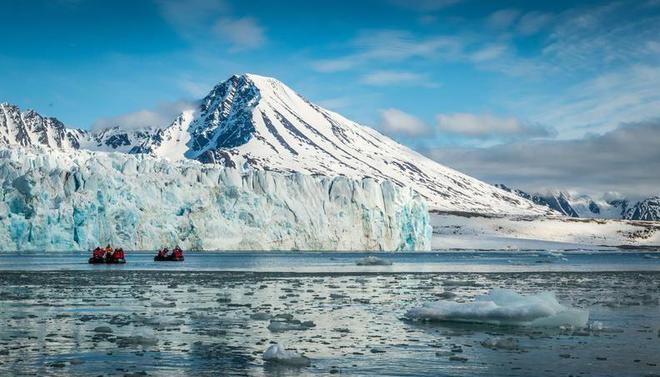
(169, 258)
(93, 260)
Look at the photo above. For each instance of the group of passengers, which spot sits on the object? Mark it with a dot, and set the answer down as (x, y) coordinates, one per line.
(176, 253)
(108, 253)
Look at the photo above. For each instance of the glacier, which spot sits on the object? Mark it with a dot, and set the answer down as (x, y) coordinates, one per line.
(75, 200)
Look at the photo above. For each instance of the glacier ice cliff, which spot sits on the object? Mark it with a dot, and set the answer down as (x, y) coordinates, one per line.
(75, 200)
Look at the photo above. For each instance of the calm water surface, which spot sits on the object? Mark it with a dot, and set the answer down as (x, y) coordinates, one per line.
(311, 262)
(210, 315)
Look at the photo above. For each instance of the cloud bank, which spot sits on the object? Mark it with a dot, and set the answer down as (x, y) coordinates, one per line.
(625, 160)
(160, 116)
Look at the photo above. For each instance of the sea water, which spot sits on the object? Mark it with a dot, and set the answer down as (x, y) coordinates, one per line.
(313, 262)
(216, 314)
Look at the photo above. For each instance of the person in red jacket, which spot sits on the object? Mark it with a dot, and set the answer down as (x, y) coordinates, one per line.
(98, 253)
(118, 254)
(178, 253)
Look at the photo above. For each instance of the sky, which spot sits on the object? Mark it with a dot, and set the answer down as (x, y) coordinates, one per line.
(536, 95)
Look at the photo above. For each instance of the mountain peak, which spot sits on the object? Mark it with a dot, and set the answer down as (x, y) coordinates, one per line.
(258, 80)
(29, 128)
(257, 122)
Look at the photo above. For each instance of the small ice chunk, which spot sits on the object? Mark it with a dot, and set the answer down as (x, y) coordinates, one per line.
(446, 295)
(596, 326)
(504, 307)
(137, 340)
(260, 316)
(509, 344)
(373, 261)
(276, 353)
(102, 329)
(294, 324)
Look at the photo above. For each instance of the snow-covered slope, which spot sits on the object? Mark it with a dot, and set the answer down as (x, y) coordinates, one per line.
(647, 209)
(25, 128)
(258, 122)
(495, 232)
(75, 200)
(115, 139)
(28, 128)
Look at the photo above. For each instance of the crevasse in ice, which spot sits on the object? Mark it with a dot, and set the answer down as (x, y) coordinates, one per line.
(54, 200)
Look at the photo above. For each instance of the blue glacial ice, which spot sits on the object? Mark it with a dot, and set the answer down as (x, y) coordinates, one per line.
(77, 200)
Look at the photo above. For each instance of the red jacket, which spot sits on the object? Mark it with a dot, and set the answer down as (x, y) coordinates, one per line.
(118, 254)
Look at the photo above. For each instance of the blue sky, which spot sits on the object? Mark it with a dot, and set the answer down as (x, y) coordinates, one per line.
(451, 78)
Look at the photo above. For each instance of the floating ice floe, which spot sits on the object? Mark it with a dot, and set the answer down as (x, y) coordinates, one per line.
(260, 316)
(504, 307)
(279, 324)
(136, 341)
(276, 353)
(508, 344)
(373, 261)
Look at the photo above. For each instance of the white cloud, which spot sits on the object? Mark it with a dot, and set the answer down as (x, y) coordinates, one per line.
(243, 33)
(390, 46)
(398, 45)
(335, 103)
(525, 24)
(624, 160)
(395, 121)
(599, 104)
(503, 18)
(197, 19)
(425, 5)
(194, 88)
(598, 38)
(188, 16)
(489, 52)
(486, 125)
(533, 22)
(383, 78)
(160, 116)
(336, 65)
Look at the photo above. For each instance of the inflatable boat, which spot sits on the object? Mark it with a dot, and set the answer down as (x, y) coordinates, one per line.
(93, 260)
(169, 258)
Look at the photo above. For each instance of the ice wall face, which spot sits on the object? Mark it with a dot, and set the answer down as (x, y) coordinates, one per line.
(75, 201)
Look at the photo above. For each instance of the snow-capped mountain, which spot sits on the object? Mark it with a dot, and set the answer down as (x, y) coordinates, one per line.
(584, 206)
(558, 203)
(250, 121)
(115, 139)
(256, 121)
(647, 209)
(27, 128)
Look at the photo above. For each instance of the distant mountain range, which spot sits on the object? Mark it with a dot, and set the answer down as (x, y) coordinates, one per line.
(250, 121)
(587, 207)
